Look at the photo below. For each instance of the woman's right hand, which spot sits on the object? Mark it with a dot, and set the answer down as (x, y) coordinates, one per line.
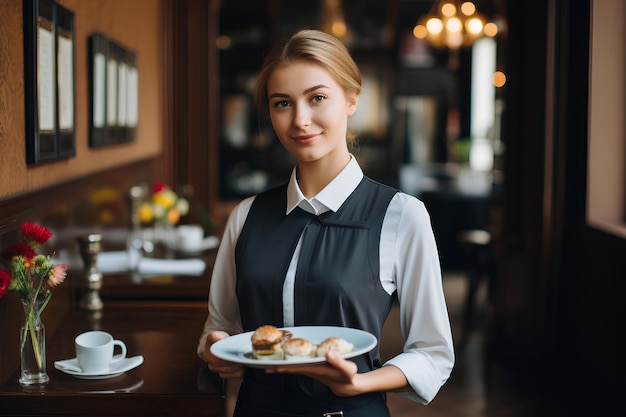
(225, 369)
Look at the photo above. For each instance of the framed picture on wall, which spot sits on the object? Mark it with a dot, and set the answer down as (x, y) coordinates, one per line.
(114, 92)
(66, 98)
(49, 81)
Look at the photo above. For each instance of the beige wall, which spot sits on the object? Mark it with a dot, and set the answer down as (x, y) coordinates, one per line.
(606, 205)
(135, 24)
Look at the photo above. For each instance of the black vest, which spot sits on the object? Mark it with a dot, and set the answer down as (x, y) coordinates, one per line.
(338, 274)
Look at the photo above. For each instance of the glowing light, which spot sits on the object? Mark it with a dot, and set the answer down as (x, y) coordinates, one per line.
(339, 29)
(491, 29)
(499, 79)
(468, 8)
(448, 10)
(223, 42)
(474, 26)
(454, 25)
(420, 32)
(434, 26)
(454, 39)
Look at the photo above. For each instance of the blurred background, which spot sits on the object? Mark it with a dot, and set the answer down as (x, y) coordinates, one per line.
(505, 117)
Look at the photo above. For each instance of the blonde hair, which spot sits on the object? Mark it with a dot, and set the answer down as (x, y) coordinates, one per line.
(315, 47)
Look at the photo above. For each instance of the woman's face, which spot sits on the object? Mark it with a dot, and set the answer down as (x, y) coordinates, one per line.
(309, 111)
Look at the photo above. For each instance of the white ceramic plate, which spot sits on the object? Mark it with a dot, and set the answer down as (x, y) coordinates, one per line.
(71, 367)
(238, 348)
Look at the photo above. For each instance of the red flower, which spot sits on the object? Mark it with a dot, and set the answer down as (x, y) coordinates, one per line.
(34, 234)
(19, 249)
(57, 275)
(5, 281)
(158, 187)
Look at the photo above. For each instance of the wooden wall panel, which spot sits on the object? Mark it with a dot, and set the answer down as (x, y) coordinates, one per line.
(136, 25)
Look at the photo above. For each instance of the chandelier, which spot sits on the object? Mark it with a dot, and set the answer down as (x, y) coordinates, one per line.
(453, 24)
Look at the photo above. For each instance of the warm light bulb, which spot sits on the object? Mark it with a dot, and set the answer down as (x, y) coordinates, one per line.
(434, 26)
(223, 42)
(454, 39)
(448, 9)
(420, 32)
(474, 26)
(454, 25)
(468, 8)
(499, 79)
(339, 29)
(491, 29)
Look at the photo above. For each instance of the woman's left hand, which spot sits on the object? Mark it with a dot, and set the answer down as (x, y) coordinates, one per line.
(339, 374)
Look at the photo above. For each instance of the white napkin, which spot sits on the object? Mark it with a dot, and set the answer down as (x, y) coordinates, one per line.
(118, 261)
(111, 262)
(171, 266)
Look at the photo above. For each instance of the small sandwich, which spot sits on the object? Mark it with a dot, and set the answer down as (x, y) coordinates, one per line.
(267, 343)
(297, 348)
(337, 344)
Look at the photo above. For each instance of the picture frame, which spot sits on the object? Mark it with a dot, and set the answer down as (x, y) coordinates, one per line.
(114, 92)
(49, 81)
(66, 79)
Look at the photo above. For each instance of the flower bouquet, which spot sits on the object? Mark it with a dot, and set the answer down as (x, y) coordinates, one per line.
(33, 276)
(163, 210)
(164, 206)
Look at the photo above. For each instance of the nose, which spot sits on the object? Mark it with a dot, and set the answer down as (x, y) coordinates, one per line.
(301, 116)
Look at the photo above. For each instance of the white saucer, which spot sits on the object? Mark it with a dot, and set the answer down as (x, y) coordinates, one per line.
(71, 367)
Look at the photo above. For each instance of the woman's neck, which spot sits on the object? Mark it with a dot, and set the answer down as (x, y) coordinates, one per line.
(313, 176)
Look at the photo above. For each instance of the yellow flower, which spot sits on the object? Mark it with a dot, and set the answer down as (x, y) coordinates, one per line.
(146, 214)
(164, 206)
(165, 198)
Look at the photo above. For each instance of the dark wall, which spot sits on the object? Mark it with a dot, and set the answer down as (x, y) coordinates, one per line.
(558, 298)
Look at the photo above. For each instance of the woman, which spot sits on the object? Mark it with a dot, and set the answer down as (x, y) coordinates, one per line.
(331, 247)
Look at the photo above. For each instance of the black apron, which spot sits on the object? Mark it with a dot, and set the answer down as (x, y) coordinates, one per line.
(337, 283)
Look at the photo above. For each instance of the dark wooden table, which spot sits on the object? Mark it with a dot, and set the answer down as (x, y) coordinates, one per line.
(172, 381)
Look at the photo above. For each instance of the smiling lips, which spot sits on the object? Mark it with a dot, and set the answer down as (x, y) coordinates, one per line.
(305, 139)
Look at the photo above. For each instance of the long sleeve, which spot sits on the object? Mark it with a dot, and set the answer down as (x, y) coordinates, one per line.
(408, 244)
(223, 307)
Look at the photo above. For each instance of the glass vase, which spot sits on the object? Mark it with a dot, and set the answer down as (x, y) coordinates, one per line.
(33, 345)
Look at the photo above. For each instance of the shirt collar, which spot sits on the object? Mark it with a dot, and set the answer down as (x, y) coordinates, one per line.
(331, 197)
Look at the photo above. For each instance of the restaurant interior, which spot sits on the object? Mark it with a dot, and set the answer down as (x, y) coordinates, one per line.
(513, 137)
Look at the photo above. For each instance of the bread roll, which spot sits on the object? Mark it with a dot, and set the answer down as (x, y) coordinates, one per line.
(297, 348)
(337, 344)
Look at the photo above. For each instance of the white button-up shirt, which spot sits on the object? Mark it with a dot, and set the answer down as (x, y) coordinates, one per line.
(409, 264)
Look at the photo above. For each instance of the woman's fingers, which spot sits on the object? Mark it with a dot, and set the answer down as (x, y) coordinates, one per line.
(224, 369)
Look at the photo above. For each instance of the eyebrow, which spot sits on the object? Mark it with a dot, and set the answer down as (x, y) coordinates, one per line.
(307, 91)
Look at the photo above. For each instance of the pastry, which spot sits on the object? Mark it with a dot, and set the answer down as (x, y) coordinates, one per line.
(337, 344)
(297, 348)
(267, 343)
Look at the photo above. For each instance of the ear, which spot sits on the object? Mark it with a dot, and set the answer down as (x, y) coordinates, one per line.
(353, 102)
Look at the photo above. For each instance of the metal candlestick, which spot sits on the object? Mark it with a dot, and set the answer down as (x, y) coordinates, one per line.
(92, 279)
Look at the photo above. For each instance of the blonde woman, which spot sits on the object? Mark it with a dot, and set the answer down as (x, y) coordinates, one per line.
(330, 247)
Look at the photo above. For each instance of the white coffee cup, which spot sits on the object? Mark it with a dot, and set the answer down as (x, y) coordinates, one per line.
(94, 351)
(189, 237)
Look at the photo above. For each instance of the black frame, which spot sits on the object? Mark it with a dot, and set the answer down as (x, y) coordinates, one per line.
(114, 92)
(43, 21)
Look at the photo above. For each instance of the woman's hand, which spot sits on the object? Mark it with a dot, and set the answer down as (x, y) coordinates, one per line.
(339, 374)
(225, 369)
